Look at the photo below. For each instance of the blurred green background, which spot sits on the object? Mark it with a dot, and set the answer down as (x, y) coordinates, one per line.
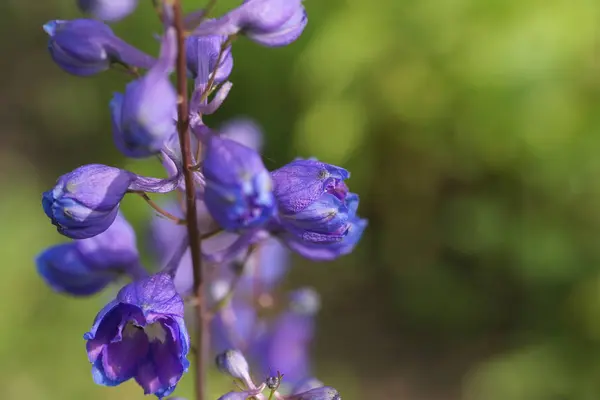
(472, 130)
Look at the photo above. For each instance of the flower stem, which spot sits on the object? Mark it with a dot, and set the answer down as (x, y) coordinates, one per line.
(202, 340)
(161, 210)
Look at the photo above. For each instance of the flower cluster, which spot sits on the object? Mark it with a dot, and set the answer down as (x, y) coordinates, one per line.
(249, 218)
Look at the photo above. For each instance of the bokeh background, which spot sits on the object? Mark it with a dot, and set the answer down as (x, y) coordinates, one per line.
(472, 130)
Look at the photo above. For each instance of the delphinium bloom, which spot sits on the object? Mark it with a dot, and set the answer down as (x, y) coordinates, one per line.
(229, 256)
(238, 191)
(86, 266)
(141, 335)
(143, 116)
(86, 47)
(317, 213)
(268, 22)
(85, 202)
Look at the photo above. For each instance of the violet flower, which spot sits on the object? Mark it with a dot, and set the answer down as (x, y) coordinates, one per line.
(85, 202)
(317, 214)
(238, 191)
(86, 47)
(141, 335)
(143, 118)
(84, 267)
(270, 23)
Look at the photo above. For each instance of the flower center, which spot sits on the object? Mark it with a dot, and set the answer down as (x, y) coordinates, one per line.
(154, 332)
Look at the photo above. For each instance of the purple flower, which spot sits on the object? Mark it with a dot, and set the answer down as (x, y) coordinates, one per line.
(268, 22)
(316, 212)
(85, 202)
(143, 117)
(238, 191)
(244, 131)
(84, 267)
(322, 393)
(265, 268)
(233, 326)
(108, 10)
(285, 348)
(86, 47)
(330, 251)
(141, 335)
(202, 53)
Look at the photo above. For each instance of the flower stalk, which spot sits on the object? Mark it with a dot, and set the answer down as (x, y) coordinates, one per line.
(202, 339)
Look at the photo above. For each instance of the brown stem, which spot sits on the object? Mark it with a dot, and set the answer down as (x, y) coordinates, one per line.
(161, 210)
(202, 340)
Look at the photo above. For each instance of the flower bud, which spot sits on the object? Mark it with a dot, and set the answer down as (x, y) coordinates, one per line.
(238, 191)
(268, 22)
(233, 363)
(84, 267)
(85, 202)
(108, 10)
(322, 393)
(144, 117)
(86, 47)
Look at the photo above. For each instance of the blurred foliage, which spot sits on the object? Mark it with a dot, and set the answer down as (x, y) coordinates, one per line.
(471, 129)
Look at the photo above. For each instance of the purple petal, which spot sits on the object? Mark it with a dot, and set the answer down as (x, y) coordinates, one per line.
(155, 295)
(120, 360)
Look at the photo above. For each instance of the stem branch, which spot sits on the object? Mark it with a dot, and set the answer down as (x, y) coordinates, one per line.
(161, 210)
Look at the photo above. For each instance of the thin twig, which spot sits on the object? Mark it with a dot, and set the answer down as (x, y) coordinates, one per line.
(161, 210)
(202, 339)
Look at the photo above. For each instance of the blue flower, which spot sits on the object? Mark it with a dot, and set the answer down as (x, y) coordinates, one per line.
(86, 47)
(85, 202)
(84, 267)
(268, 22)
(244, 131)
(238, 191)
(108, 10)
(141, 335)
(144, 117)
(285, 347)
(317, 213)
